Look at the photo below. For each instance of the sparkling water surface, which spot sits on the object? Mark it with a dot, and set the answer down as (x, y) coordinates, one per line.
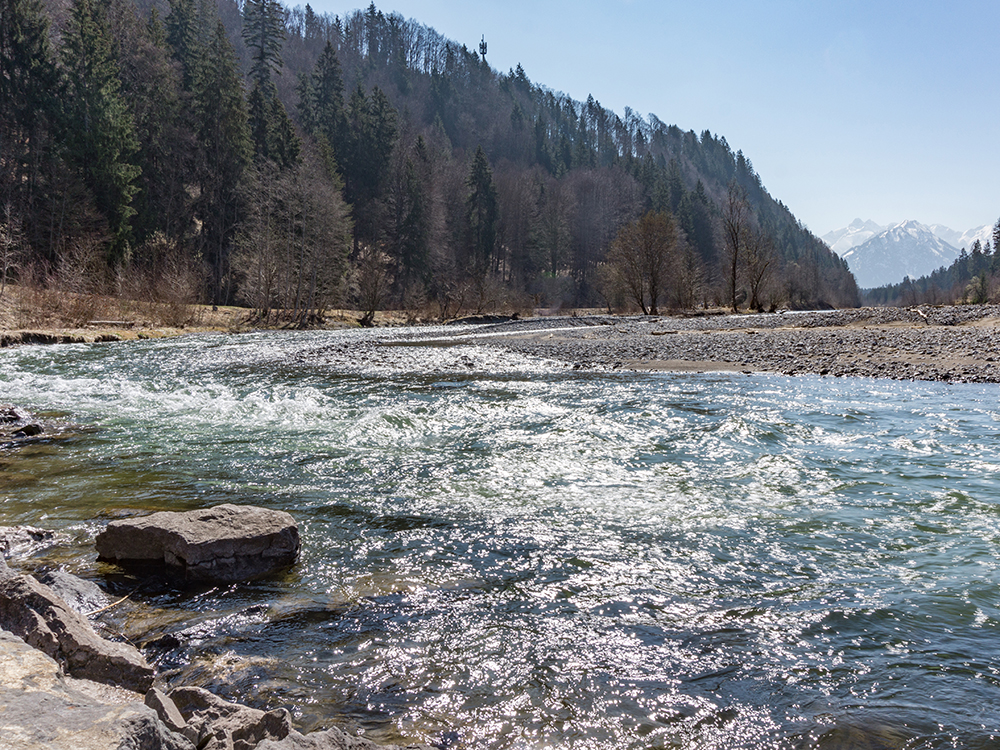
(502, 552)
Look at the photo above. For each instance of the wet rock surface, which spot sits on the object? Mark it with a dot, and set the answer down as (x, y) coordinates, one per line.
(952, 344)
(213, 723)
(18, 427)
(223, 544)
(22, 541)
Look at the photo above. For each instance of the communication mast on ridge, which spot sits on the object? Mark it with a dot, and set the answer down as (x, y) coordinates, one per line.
(482, 47)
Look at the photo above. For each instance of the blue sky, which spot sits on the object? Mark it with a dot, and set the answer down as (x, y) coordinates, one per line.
(879, 110)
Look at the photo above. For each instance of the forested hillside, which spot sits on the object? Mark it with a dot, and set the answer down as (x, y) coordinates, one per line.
(292, 161)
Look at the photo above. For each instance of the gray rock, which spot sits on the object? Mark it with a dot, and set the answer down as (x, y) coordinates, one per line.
(32, 611)
(10, 415)
(82, 596)
(17, 427)
(223, 544)
(220, 724)
(331, 739)
(169, 714)
(41, 709)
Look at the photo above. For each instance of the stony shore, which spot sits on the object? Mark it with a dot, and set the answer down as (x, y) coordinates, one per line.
(63, 686)
(951, 344)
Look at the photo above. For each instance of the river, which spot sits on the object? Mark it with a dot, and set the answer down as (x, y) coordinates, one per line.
(502, 552)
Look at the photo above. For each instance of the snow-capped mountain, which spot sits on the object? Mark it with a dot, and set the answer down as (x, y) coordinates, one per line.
(948, 234)
(984, 234)
(906, 249)
(856, 233)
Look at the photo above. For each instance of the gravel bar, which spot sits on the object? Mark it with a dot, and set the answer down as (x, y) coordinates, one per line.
(959, 344)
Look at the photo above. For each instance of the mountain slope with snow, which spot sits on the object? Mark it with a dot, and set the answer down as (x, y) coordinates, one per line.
(906, 249)
(856, 233)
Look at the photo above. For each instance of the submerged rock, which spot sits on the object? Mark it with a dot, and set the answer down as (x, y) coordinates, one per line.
(22, 541)
(82, 596)
(331, 739)
(213, 724)
(17, 427)
(224, 544)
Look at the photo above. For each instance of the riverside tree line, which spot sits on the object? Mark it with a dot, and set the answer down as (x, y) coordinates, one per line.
(290, 161)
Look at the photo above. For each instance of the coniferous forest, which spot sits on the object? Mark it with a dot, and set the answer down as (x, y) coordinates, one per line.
(200, 150)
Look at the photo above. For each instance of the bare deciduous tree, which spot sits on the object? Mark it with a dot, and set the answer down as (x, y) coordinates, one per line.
(642, 256)
(10, 244)
(735, 227)
(758, 262)
(292, 249)
(258, 254)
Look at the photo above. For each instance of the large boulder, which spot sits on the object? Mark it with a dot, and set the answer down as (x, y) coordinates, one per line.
(42, 709)
(223, 544)
(33, 612)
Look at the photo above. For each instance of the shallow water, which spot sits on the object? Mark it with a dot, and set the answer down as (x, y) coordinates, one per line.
(505, 553)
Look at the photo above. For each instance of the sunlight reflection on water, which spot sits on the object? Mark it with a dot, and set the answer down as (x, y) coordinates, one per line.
(535, 557)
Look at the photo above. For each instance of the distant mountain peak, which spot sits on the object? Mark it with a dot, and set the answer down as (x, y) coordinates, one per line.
(857, 232)
(908, 248)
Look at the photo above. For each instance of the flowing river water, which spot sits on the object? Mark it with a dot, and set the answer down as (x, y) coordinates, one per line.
(502, 552)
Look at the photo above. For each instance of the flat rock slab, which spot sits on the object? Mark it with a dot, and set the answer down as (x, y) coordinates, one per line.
(223, 544)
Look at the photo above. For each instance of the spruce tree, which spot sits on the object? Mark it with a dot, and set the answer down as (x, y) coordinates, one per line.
(182, 36)
(482, 213)
(328, 99)
(264, 33)
(371, 138)
(151, 86)
(29, 106)
(271, 129)
(225, 149)
(101, 136)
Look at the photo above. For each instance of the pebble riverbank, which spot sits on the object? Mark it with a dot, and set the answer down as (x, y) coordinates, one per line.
(951, 344)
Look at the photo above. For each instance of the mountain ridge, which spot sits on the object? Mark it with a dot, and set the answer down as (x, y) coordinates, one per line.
(907, 249)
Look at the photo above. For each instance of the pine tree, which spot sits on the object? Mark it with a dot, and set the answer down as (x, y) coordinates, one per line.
(100, 133)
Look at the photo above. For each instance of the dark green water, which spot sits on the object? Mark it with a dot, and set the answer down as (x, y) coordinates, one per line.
(532, 557)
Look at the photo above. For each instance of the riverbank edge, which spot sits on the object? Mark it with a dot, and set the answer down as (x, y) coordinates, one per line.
(936, 344)
(47, 705)
(933, 343)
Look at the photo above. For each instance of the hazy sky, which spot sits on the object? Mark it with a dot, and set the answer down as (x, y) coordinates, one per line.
(883, 109)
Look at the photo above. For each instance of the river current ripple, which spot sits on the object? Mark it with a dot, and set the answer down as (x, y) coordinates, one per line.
(501, 552)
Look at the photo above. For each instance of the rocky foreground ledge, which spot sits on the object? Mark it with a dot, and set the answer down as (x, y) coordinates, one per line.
(63, 687)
